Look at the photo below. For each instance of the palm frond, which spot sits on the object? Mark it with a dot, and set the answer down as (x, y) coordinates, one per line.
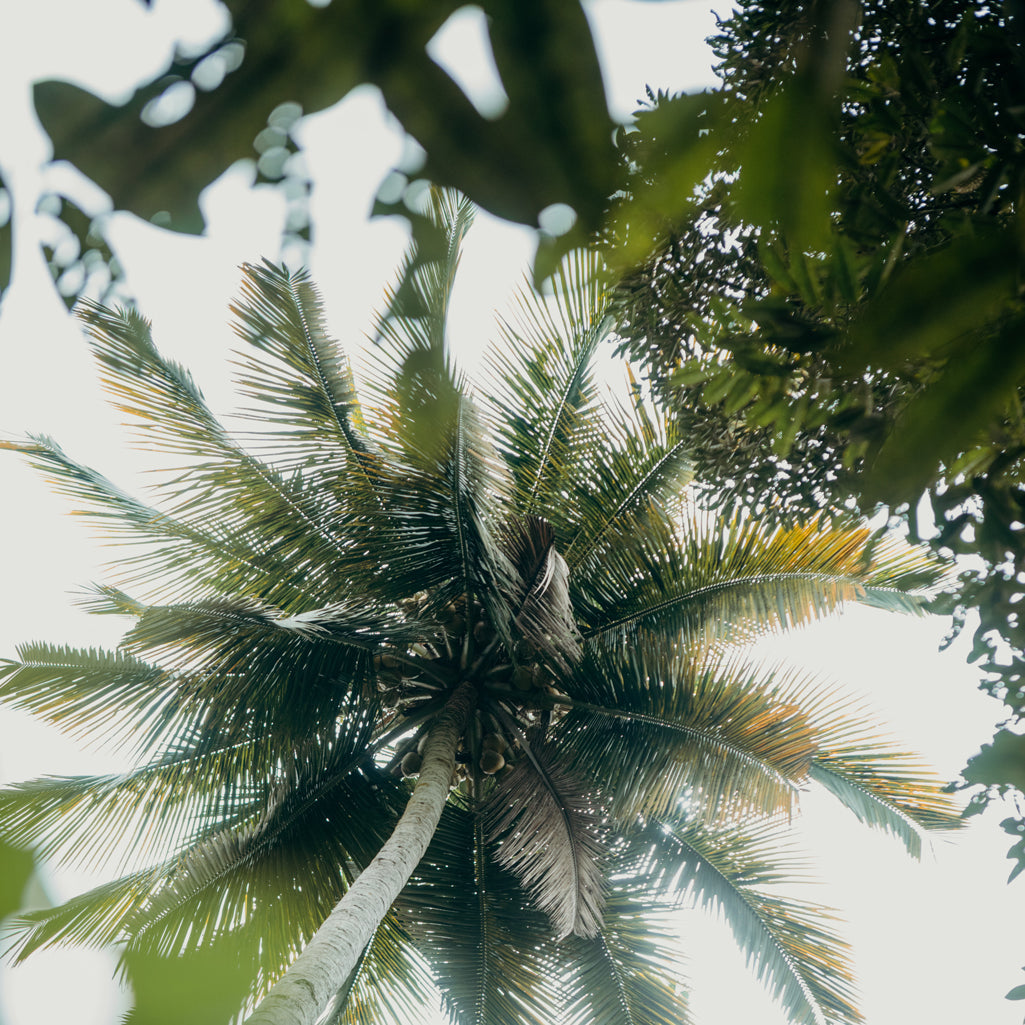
(196, 782)
(85, 691)
(391, 984)
(541, 608)
(444, 489)
(266, 884)
(548, 833)
(640, 464)
(734, 583)
(545, 406)
(260, 670)
(888, 790)
(224, 483)
(631, 972)
(662, 730)
(168, 554)
(789, 944)
(301, 381)
(490, 953)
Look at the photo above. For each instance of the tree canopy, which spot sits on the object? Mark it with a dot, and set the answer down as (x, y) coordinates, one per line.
(508, 596)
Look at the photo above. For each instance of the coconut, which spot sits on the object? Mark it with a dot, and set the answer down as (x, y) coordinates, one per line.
(494, 742)
(491, 762)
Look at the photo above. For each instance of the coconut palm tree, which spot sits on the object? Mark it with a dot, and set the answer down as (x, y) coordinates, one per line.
(445, 692)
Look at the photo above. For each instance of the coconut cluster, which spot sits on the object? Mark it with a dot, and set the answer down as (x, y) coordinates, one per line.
(513, 685)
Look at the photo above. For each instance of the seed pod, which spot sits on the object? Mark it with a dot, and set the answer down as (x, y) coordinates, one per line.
(482, 632)
(491, 762)
(411, 762)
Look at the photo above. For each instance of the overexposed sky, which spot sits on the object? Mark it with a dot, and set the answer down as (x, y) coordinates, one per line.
(937, 941)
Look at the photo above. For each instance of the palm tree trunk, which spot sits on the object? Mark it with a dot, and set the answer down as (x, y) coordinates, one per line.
(303, 992)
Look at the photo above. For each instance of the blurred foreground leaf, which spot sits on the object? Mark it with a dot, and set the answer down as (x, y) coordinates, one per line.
(15, 871)
(202, 989)
(240, 97)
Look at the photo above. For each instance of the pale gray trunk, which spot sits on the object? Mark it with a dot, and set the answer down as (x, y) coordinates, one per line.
(303, 992)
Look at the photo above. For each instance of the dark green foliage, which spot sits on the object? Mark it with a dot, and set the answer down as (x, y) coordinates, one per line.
(874, 355)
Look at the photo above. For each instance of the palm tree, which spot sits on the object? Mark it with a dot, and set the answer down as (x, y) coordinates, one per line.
(446, 691)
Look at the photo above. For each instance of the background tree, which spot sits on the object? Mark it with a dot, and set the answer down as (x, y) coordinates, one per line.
(516, 586)
(836, 310)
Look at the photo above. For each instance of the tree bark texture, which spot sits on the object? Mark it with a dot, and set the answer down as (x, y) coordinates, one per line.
(303, 992)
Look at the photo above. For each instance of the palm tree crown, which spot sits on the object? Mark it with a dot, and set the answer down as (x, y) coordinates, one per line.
(503, 603)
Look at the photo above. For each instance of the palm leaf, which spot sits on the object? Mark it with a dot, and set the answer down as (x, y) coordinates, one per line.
(390, 985)
(169, 554)
(541, 608)
(630, 973)
(225, 483)
(888, 790)
(444, 488)
(259, 670)
(491, 955)
(545, 408)
(301, 381)
(661, 731)
(547, 830)
(789, 944)
(266, 884)
(84, 691)
(743, 581)
(195, 782)
(885, 787)
(640, 463)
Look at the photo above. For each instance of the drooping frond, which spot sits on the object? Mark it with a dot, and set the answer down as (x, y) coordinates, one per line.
(195, 781)
(734, 582)
(884, 786)
(662, 731)
(545, 406)
(789, 944)
(391, 984)
(887, 789)
(632, 971)
(223, 483)
(168, 554)
(547, 830)
(540, 605)
(258, 668)
(266, 884)
(93, 820)
(491, 952)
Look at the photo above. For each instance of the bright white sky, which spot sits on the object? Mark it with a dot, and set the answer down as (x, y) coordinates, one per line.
(936, 942)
